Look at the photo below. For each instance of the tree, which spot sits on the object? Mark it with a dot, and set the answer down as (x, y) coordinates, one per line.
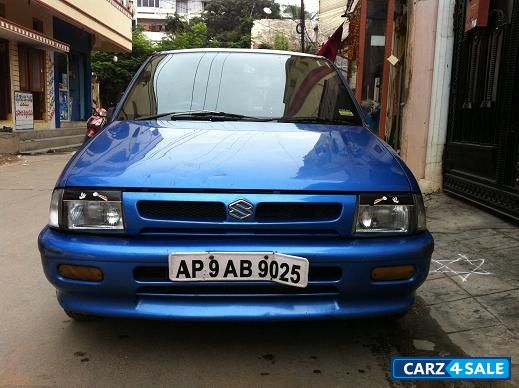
(225, 23)
(115, 76)
(280, 41)
(229, 22)
(195, 36)
(176, 24)
(294, 12)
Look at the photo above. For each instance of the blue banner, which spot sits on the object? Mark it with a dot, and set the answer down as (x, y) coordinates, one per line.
(451, 368)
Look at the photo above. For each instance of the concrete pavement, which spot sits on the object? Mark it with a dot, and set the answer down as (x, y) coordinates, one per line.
(468, 306)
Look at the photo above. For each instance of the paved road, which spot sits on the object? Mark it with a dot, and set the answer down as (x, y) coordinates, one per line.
(39, 345)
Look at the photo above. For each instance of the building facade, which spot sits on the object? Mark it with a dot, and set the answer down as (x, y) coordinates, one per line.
(481, 137)
(45, 46)
(445, 76)
(388, 54)
(152, 14)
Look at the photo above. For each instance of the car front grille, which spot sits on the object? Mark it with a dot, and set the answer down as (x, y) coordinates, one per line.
(160, 274)
(266, 212)
(297, 212)
(234, 232)
(235, 290)
(154, 281)
(270, 215)
(183, 210)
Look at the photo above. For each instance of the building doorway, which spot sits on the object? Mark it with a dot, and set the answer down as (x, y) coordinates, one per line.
(77, 87)
(62, 77)
(5, 80)
(481, 161)
(31, 65)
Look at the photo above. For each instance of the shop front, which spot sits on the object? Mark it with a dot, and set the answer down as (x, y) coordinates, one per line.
(72, 74)
(45, 72)
(26, 76)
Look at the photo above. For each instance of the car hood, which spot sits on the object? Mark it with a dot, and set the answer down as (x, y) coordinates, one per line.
(236, 155)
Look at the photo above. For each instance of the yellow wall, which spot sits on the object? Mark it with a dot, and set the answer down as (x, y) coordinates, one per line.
(22, 13)
(23, 19)
(111, 27)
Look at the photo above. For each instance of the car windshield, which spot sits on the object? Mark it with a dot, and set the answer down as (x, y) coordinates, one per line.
(252, 85)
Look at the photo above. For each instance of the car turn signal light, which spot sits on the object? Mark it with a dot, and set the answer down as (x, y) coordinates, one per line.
(384, 274)
(78, 272)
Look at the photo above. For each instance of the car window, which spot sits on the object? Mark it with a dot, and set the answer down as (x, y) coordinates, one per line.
(257, 85)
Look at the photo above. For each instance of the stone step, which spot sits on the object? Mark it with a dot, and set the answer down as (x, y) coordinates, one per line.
(71, 147)
(51, 142)
(48, 133)
(73, 124)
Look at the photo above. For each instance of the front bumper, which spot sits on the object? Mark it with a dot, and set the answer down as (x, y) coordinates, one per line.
(121, 294)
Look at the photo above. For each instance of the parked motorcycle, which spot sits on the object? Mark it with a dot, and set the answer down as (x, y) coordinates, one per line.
(96, 123)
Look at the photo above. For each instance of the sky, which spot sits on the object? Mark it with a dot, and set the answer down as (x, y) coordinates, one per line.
(311, 6)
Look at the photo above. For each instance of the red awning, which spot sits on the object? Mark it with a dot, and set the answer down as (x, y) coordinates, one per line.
(13, 31)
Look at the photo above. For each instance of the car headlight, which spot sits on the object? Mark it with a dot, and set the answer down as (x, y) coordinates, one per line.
(86, 210)
(390, 214)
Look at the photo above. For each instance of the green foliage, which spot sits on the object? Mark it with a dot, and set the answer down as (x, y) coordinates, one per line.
(176, 24)
(280, 41)
(195, 36)
(229, 22)
(225, 23)
(294, 12)
(266, 46)
(114, 77)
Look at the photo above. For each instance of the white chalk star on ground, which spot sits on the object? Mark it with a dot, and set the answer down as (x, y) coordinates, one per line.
(458, 266)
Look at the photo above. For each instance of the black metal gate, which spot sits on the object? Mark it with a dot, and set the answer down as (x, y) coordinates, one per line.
(481, 159)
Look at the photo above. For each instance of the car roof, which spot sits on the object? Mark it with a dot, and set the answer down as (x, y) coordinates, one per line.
(234, 50)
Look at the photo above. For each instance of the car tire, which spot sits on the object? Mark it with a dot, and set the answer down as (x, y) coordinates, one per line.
(396, 317)
(78, 317)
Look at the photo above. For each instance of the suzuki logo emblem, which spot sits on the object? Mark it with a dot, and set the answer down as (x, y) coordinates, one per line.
(241, 209)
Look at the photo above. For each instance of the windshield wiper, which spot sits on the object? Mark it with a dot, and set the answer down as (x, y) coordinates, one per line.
(204, 114)
(318, 120)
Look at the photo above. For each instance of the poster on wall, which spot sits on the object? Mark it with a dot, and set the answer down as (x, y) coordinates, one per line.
(24, 111)
(63, 105)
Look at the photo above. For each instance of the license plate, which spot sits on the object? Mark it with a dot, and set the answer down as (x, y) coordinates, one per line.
(238, 266)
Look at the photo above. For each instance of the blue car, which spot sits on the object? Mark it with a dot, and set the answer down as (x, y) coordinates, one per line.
(236, 185)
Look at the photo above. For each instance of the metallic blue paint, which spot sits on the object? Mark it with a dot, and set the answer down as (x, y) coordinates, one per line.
(225, 161)
(118, 295)
(136, 225)
(238, 155)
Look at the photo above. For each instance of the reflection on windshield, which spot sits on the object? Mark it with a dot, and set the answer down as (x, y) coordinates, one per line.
(256, 85)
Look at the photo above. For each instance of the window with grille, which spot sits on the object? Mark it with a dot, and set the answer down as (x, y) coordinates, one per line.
(181, 6)
(148, 3)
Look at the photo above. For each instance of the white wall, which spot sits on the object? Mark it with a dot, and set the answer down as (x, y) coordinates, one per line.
(169, 7)
(439, 111)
